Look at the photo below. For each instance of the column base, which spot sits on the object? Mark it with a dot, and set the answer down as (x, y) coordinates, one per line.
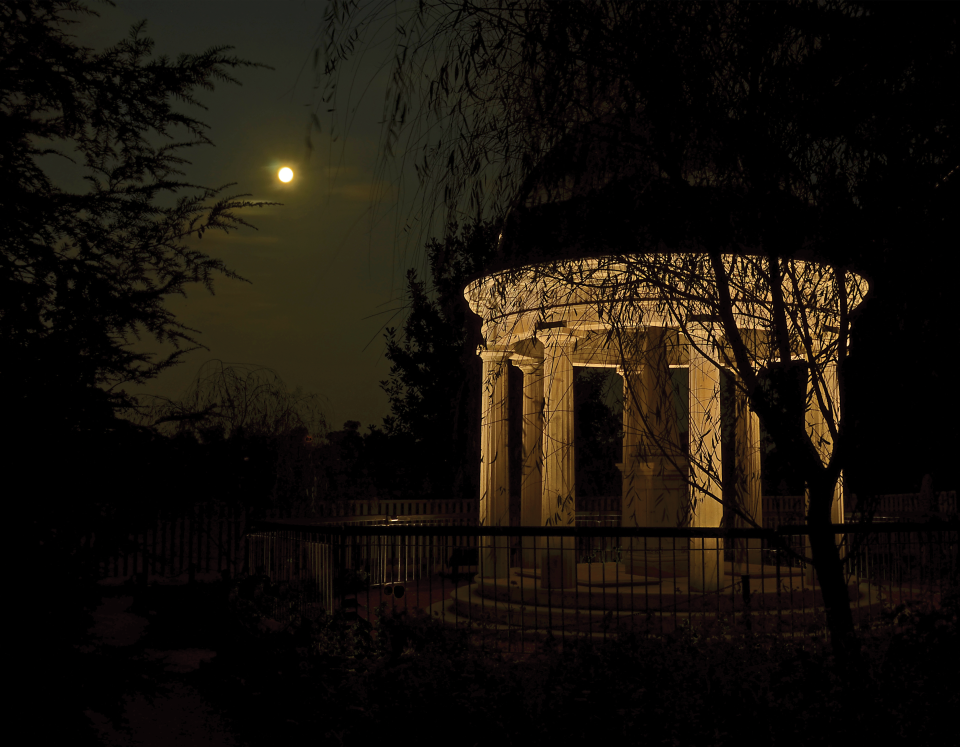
(558, 564)
(706, 564)
(744, 557)
(495, 557)
(528, 558)
(666, 562)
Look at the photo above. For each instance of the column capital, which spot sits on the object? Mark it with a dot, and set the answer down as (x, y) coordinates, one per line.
(493, 355)
(703, 332)
(557, 337)
(527, 364)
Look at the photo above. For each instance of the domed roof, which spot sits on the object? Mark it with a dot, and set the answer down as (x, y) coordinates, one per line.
(599, 192)
(584, 197)
(588, 158)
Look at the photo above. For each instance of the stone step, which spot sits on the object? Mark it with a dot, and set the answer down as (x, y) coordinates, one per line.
(446, 612)
(505, 602)
(489, 619)
(610, 589)
(469, 603)
(607, 599)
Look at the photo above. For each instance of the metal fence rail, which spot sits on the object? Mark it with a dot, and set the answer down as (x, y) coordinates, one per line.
(496, 581)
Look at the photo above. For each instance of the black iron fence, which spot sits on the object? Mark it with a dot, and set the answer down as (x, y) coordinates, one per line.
(519, 583)
(209, 538)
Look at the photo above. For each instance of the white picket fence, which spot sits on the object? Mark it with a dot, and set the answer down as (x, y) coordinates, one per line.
(201, 543)
(210, 539)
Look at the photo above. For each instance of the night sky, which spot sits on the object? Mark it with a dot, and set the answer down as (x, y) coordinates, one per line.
(324, 266)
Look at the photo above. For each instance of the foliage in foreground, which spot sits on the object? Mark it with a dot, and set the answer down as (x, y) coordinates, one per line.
(347, 682)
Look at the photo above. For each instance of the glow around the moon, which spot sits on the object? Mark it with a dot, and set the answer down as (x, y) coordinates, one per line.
(285, 174)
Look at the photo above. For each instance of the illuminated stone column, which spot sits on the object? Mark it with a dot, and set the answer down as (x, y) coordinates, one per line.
(662, 439)
(705, 463)
(652, 484)
(819, 431)
(531, 476)
(494, 464)
(747, 487)
(558, 503)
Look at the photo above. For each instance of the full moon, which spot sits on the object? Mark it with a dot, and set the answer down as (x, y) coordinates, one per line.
(285, 174)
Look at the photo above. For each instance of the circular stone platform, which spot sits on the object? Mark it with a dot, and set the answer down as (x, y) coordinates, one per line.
(607, 599)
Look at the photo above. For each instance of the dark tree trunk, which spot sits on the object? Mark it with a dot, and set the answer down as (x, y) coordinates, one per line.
(830, 577)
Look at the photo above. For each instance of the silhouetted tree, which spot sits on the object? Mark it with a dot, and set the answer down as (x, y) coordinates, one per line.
(434, 383)
(260, 441)
(344, 465)
(85, 271)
